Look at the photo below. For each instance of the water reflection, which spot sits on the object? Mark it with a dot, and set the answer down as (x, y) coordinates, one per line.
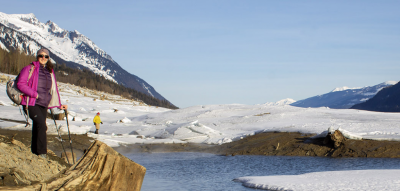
(203, 171)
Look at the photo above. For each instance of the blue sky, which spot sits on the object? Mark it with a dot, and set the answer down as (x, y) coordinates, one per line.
(248, 52)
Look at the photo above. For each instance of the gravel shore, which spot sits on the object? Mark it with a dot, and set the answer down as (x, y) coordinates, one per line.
(281, 144)
(271, 143)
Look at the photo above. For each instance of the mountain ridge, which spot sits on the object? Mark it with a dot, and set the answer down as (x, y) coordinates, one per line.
(281, 102)
(26, 33)
(344, 97)
(386, 100)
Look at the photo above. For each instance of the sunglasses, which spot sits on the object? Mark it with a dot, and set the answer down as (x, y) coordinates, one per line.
(45, 56)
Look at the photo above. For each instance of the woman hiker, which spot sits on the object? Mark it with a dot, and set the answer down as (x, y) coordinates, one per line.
(41, 93)
(96, 122)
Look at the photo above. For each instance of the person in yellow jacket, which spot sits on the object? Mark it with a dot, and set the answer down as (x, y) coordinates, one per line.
(97, 121)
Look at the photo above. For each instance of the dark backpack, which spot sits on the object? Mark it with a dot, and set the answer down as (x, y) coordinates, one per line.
(16, 95)
(13, 92)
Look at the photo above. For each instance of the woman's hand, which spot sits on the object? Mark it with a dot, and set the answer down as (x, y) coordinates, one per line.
(64, 107)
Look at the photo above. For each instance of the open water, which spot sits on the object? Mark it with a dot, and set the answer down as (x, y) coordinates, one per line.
(203, 171)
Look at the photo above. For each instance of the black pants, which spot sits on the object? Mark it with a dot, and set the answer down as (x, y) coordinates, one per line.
(39, 137)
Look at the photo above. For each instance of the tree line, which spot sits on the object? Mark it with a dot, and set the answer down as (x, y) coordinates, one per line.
(12, 62)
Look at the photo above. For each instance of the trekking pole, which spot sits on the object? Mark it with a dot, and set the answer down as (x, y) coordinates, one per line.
(27, 112)
(26, 116)
(69, 135)
(59, 136)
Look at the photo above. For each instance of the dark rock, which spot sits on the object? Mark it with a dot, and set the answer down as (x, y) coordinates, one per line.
(335, 139)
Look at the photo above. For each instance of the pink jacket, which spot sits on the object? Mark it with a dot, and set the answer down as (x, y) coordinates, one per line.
(30, 88)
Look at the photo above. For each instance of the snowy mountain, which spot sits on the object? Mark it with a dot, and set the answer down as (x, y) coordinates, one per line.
(282, 102)
(386, 100)
(344, 97)
(26, 33)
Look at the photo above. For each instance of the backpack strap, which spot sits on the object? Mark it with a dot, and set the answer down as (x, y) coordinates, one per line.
(31, 71)
(27, 97)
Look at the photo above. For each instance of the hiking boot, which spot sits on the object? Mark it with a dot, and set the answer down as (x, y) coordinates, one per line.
(96, 132)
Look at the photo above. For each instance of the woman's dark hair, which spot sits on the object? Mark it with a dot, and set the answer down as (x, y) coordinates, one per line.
(49, 65)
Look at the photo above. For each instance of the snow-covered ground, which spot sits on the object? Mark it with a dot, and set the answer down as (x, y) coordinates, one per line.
(332, 180)
(129, 122)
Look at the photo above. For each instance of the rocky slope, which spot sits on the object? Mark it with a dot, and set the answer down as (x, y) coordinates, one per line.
(19, 167)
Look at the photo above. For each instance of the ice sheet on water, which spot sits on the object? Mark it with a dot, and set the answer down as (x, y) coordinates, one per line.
(329, 180)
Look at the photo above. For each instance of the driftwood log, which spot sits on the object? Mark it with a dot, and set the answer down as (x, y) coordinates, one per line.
(68, 158)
